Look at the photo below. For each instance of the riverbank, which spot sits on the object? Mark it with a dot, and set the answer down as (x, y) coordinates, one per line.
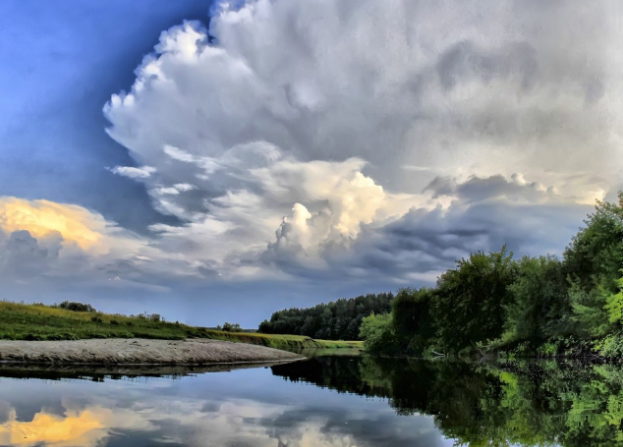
(138, 352)
(38, 322)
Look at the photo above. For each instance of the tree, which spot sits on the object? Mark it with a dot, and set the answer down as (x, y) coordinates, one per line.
(229, 327)
(377, 332)
(595, 255)
(469, 301)
(412, 320)
(540, 307)
(593, 261)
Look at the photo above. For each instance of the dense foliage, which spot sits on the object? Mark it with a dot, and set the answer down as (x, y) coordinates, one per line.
(338, 320)
(76, 307)
(534, 306)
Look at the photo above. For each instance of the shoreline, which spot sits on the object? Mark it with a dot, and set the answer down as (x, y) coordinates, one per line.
(138, 352)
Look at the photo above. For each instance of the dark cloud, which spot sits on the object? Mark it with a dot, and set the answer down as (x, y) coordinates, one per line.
(23, 255)
(486, 214)
(464, 62)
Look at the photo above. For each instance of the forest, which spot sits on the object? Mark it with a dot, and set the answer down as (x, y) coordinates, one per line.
(492, 303)
(337, 320)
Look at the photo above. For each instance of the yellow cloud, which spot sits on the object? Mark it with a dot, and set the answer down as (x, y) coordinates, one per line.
(85, 428)
(42, 217)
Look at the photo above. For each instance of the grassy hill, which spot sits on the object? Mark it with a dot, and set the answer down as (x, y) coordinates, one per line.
(41, 322)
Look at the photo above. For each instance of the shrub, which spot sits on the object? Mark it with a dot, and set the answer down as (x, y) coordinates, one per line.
(229, 327)
(76, 307)
(378, 334)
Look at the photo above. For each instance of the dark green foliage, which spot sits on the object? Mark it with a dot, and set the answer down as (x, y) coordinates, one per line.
(412, 319)
(595, 255)
(539, 308)
(337, 320)
(76, 307)
(229, 327)
(469, 301)
(593, 262)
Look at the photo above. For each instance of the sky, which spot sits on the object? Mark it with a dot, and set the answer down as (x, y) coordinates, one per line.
(220, 161)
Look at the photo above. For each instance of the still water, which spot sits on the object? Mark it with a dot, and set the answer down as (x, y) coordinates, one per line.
(323, 401)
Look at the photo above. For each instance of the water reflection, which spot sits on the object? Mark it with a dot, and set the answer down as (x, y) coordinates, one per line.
(526, 404)
(245, 407)
(379, 402)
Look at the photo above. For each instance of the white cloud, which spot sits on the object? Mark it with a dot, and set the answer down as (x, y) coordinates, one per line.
(175, 189)
(304, 136)
(49, 241)
(136, 173)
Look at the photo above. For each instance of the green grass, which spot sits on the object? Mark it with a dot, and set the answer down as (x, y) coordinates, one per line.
(40, 322)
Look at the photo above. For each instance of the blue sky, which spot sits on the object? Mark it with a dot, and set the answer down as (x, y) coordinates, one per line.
(61, 62)
(296, 152)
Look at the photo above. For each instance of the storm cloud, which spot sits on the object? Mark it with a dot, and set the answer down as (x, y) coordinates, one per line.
(322, 137)
(358, 140)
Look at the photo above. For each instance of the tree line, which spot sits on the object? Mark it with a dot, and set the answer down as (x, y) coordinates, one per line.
(337, 320)
(534, 305)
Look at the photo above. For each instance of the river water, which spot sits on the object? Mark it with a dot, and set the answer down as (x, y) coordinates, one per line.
(324, 401)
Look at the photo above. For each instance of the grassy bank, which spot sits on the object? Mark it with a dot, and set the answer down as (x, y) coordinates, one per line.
(41, 322)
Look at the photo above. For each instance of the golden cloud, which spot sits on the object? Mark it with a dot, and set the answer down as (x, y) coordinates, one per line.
(42, 218)
(85, 428)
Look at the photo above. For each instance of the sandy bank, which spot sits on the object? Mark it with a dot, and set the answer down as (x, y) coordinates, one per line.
(135, 351)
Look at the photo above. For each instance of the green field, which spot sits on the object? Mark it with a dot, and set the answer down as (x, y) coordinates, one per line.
(41, 322)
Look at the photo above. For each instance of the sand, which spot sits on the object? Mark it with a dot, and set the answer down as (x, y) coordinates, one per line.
(136, 351)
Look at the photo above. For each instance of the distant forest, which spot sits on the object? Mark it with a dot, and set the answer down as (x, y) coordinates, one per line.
(337, 320)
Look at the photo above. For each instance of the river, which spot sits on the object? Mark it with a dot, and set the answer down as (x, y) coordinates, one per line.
(335, 401)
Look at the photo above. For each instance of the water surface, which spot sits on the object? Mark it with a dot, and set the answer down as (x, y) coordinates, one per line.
(324, 401)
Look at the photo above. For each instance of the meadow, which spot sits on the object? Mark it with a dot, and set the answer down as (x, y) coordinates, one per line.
(19, 321)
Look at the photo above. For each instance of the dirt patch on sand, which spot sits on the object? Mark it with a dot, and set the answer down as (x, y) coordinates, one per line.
(135, 351)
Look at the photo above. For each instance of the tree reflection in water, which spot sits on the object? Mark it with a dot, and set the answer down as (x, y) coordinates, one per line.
(524, 403)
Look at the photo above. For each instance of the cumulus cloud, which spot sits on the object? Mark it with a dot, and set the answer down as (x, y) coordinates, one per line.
(43, 239)
(480, 214)
(349, 139)
(359, 138)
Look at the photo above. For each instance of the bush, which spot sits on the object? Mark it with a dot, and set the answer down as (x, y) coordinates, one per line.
(378, 334)
(76, 307)
(229, 327)
(96, 319)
